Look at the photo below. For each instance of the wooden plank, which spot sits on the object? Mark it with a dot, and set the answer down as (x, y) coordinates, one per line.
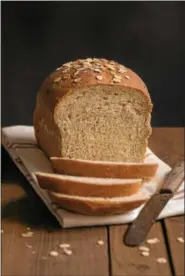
(169, 145)
(129, 261)
(20, 211)
(30, 256)
(175, 228)
(87, 259)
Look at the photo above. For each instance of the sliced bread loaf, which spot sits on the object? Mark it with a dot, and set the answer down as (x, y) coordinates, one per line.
(87, 186)
(93, 109)
(97, 205)
(103, 169)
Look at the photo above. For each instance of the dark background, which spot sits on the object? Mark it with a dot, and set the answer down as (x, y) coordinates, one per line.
(148, 37)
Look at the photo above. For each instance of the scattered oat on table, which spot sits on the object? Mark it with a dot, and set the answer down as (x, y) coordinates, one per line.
(145, 253)
(144, 248)
(64, 245)
(28, 228)
(33, 252)
(67, 251)
(53, 253)
(99, 77)
(161, 260)
(152, 241)
(100, 242)
(27, 235)
(28, 245)
(180, 239)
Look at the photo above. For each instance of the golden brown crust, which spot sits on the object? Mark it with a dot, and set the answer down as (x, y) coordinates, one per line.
(103, 169)
(46, 132)
(81, 188)
(96, 208)
(82, 73)
(89, 72)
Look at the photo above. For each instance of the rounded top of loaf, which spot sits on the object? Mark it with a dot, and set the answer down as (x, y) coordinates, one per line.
(89, 72)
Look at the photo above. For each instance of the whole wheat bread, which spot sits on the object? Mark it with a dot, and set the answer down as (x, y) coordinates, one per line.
(93, 109)
(104, 169)
(87, 186)
(98, 205)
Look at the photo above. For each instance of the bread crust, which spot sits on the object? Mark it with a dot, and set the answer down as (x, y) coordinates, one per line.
(89, 187)
(79, 74)
(103, 169)
(100, 206)
(65, 79)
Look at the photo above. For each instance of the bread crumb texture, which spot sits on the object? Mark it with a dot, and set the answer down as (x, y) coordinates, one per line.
(93, 109)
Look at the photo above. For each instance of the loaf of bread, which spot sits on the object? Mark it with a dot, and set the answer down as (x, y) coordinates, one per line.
(104, 169)
(99, 205)
(93, 109)
(87, 186)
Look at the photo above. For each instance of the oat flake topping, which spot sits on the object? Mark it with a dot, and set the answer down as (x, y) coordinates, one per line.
(99, 67)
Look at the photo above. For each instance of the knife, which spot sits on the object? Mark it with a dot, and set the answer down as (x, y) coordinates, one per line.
(140, 227)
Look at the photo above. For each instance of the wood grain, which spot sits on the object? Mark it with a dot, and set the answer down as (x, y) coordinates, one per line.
(129, 261)
(87, 258)
(174, 228)
(21, 208)
(168, 144)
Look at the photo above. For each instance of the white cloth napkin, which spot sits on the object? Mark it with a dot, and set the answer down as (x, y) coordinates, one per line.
(20, 143)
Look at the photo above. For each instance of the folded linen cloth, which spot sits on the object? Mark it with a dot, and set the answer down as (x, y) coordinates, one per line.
(20, 143)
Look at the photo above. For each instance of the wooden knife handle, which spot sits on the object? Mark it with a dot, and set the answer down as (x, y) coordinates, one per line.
(174, 178)
(138, 230)
(140, 227)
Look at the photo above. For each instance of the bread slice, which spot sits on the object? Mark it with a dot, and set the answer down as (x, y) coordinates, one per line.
(104, 169)
(93, 109)
(99, 205)
(87, 186)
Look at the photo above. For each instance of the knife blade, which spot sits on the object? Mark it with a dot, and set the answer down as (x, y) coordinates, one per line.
(139, 229)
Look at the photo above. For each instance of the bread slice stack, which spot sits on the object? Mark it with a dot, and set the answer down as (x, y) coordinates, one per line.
(92, 119)
(97, 195)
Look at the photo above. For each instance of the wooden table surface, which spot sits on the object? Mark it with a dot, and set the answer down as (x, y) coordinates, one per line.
(22, 256)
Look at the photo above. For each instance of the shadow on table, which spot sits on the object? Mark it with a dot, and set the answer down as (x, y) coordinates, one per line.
(31, 212)
(9, 172)
(27, 209)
